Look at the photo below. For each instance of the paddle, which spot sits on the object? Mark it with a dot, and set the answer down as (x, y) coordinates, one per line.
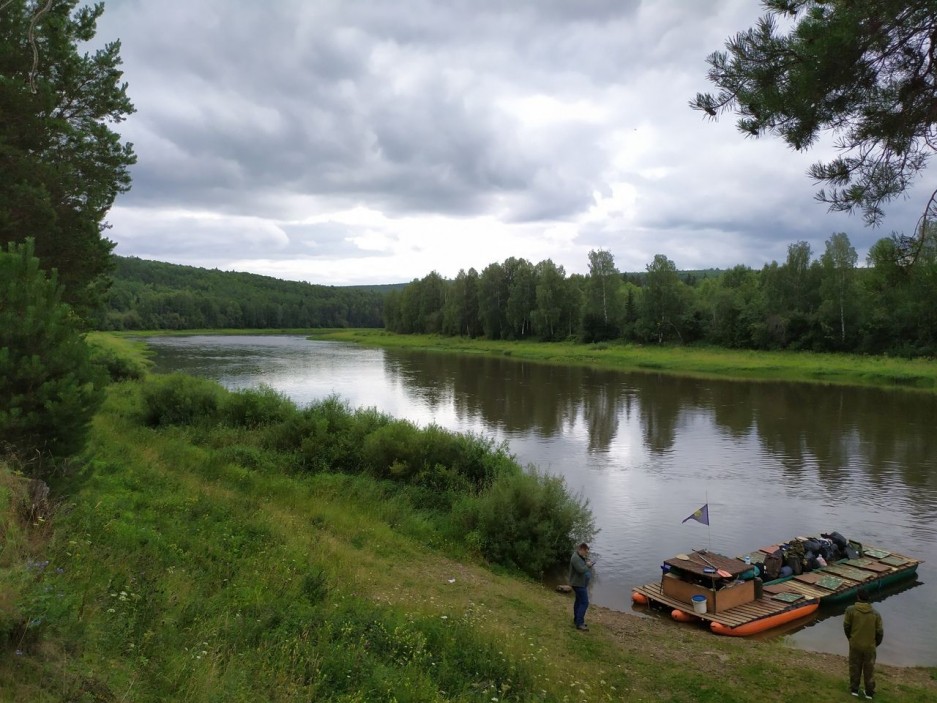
(722, 572)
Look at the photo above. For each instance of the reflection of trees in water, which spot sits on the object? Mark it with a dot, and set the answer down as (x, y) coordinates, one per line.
(516, 396)
(838, 429)
(663, 401)
(600, 412)
(828, 429)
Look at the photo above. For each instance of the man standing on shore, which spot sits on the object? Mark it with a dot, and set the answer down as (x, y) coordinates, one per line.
(580, 572)
(864, 630)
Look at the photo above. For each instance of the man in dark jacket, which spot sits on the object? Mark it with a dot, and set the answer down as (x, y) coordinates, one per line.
(863, 628)
(580, 571)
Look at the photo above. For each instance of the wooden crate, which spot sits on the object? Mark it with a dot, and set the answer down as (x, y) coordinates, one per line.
(716, 600)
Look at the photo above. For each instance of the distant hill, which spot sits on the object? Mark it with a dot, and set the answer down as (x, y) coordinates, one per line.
(154, 295)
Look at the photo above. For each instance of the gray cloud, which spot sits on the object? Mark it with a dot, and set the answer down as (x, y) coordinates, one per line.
(371, 138)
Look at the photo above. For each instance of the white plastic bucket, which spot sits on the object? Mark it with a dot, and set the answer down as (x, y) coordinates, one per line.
(699, 603)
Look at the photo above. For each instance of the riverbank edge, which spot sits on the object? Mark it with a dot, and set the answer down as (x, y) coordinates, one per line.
(632, 635)
(697, 362)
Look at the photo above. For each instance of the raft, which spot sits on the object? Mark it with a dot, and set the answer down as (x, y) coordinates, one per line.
(739, 605)
(756, 626)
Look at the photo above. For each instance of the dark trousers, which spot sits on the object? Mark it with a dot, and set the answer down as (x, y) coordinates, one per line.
(580, 605)
(862, 665)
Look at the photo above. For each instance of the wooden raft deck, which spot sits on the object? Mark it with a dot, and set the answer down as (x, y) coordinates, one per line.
(827, 584)
(758, 609)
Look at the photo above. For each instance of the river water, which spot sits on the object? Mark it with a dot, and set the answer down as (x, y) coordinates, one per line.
(772, 460)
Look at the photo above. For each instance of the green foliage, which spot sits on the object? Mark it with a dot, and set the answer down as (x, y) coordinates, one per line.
(600, 310)
(177, 399)
(14, 553)
(859, 70)
(170, 577)
(434, 457)
(826, 304)
(435, 468)
(119, 367)
(61, 165)
(254, 408)
(178, 579)
(528, 521)
(331, 435)
(153, 295)
(49, 385)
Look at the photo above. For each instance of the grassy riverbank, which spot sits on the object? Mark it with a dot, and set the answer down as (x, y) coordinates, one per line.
(198, 562)
(703, 362)
(194, 565)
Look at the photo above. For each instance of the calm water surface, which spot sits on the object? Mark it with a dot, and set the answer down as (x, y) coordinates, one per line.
(774, 460)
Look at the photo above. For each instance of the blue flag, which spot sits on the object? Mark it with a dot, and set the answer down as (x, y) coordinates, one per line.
(701, 515)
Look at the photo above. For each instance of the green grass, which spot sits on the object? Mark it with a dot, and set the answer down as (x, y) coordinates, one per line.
(703, 362)
(198, 563)
(194, 564)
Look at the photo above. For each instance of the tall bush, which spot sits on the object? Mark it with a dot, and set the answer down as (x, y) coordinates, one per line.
(527, 520)
(178, 399)
(257, 407)
(49, 386)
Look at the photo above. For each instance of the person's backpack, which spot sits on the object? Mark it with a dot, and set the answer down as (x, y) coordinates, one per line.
(794, 557)
(772, 565)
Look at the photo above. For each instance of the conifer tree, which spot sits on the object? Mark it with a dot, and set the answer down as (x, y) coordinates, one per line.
(61, 164)
(49, 387)
(862, 72)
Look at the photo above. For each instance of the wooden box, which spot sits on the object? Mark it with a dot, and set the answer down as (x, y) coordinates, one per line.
(717, 600)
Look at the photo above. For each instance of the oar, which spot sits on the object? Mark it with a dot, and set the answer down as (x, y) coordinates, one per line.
(722, 572)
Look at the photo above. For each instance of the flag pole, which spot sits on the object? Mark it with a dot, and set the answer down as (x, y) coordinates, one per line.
(709, 528)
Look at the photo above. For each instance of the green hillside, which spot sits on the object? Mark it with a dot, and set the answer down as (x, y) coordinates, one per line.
(154, 295)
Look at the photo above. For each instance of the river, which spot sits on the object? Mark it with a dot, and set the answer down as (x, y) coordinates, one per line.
(772, 460)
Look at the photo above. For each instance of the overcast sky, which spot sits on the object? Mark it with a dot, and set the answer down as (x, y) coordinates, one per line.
(345, 142)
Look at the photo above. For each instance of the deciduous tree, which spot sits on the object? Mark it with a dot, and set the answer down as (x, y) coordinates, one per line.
(600, 309)
(839, 268)
(663, 300)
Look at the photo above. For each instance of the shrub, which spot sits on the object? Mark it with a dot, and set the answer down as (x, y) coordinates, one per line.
(327, 435)
(254, 408)
(117, 366)
(391, 451)
(527, 521)
(435, 457)
(177, 399)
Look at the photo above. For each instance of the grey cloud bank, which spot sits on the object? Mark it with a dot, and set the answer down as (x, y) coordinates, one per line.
(374, 142)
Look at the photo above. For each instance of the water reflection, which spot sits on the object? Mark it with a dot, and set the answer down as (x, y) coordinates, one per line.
(773, 460)
(822, 431)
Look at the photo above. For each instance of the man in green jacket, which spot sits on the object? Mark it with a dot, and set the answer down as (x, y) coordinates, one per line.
(863, 628)
(580, 572)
